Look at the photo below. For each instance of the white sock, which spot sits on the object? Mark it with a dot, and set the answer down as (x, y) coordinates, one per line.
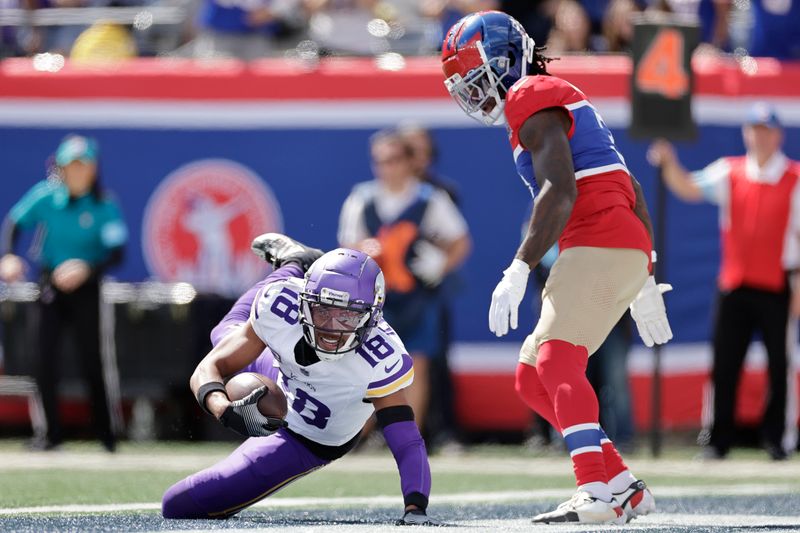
(621, 481)
(598, 489)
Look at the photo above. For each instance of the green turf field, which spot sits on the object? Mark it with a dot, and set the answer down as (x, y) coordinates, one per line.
(82, 487)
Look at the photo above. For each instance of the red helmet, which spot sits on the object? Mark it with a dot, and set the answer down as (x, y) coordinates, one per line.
(483, 55)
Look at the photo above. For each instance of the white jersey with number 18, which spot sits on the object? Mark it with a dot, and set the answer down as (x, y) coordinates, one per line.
(326, 398)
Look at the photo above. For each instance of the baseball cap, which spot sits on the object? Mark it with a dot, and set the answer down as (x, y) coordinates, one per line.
(763, 114)
(75, 147)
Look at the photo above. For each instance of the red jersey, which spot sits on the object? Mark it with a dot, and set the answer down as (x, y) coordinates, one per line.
(603, 213)
(759, 219)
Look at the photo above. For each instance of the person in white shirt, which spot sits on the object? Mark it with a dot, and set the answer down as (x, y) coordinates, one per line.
(417, 235)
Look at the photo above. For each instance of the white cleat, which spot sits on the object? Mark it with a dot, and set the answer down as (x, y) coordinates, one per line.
(583, 508)
(278, 249)
(636, 500)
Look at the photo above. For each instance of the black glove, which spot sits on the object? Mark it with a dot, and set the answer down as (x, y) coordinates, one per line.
(415, 517)
(243, 417)
(305, 258)
(278, 250)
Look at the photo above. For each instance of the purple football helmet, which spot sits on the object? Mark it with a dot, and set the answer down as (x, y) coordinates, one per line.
(341, 302)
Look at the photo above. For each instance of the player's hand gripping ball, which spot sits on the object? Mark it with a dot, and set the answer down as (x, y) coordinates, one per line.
(258, 406)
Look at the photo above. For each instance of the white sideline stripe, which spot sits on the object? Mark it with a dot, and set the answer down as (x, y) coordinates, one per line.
(324, 114)
(465, 497)
(717, 521)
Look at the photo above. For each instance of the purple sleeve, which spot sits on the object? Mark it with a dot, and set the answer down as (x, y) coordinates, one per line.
(240, 312)
(409, 452)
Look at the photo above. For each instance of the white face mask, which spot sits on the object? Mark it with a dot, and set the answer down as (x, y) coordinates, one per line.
(479, 93)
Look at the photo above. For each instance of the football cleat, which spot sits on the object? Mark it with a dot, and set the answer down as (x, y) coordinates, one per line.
(415, 517)
(636, 500)
(278, 249)
(583, 508)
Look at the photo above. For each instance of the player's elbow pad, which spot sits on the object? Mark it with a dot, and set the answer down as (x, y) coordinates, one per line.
(404, 440)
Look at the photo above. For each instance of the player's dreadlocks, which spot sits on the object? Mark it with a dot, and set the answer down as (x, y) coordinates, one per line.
(540, 61)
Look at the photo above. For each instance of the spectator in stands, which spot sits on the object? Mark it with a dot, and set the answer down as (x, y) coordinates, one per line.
(342, 26)
(759, 198)
(775, 31)
(712, 15)
(447, 12)
(617, 26)
(536, 16)
(9, 41)
(571, 29)
(243, 29)
(82, 234)
(57, 39)
(417, 236)
(103, 42)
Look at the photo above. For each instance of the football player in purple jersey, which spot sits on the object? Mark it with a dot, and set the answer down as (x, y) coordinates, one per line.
(314, 326)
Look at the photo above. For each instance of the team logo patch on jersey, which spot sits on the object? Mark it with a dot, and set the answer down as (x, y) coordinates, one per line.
(199, 222)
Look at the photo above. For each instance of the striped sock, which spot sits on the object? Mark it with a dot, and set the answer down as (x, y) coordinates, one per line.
(562, 370)
(583, 443)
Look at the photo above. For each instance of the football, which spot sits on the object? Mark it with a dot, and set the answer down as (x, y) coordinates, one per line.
(271, 404)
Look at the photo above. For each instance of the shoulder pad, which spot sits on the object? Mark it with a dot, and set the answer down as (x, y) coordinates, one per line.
(276, 305)
(534, 93)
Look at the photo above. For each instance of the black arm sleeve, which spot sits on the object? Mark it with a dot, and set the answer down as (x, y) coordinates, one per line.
(9, 233)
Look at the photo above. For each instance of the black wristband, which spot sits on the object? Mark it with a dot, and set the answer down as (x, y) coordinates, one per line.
(395, 413)
(206, 389)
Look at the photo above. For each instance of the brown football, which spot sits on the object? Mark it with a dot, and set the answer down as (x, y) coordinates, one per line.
(271, 404)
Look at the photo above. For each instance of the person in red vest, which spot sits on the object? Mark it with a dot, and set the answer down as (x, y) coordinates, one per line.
(759, 198)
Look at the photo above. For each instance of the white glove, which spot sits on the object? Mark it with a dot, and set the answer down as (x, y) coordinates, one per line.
(507, 297)
(429, 263)
(649, 313)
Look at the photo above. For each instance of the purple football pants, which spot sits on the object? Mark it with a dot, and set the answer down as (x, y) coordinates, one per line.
(261, 465)
(256, 469)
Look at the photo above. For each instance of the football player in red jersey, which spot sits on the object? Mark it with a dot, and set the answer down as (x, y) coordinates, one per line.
(587, 201)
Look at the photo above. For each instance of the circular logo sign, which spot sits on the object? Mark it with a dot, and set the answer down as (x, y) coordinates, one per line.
(199, 222)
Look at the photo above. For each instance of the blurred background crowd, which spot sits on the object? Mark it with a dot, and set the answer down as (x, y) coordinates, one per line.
(249, 29)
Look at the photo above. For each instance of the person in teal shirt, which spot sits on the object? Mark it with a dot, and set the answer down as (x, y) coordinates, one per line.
(81, 233)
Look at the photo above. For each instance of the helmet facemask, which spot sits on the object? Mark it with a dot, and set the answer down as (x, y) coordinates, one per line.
(333, 325)
(479, 78)
(481, 87)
